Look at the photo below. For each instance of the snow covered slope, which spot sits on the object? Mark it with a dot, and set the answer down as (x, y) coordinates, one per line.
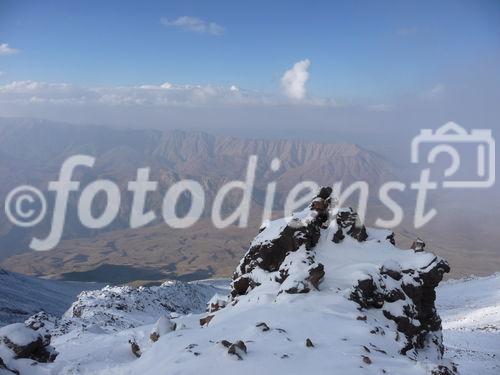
(470, 310)
(120, 307)
(22, 296)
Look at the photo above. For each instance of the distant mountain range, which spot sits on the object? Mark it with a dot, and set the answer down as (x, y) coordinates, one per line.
(32, 151)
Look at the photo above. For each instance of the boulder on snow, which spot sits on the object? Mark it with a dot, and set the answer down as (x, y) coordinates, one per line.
(216, 303)
(206, 320)
(418, 245)
(20, 341)
(136, 349)
(238, 349)
(263, 326)
(163, 326)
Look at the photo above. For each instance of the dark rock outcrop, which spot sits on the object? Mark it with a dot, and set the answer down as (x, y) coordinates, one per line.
(206, 320)
(418, 321)
(418, 245)
(23, 342)
(348, 224)
(238, 349)
(271, 256)
(263, 327)
(135, 348)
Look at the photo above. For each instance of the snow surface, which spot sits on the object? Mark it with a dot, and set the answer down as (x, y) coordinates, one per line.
(470, 310)
(330, 323)
(19, 334)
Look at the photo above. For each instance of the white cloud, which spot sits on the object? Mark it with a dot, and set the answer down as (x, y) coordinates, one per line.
(194, 24)
(6, 50)
(435, 92)
(294, 80)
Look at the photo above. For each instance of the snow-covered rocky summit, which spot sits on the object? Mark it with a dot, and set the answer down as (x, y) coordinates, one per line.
(115, 308)
(394, 290)
(316, 293)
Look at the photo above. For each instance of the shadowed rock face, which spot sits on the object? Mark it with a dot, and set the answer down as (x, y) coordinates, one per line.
(270, 255)
(419, 320)
(348, 224)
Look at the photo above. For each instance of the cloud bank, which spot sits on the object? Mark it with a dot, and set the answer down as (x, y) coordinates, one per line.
(166, 94)
(294, 80)
(194, 24)
(6, 50)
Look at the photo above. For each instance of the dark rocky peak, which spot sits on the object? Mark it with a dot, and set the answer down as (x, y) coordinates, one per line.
(292, 248)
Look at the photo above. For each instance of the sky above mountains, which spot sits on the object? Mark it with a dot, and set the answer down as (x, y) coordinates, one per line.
(330, 66)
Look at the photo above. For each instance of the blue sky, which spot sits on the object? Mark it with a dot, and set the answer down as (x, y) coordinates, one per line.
(356, 48)
(368, 72)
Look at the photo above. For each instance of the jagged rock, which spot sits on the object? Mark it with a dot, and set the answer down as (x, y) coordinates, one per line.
(348, 224)
(358, 232)
(417, 289)
(226, 343)
(367, 295)
(136, 350)
(325, 192)
(238, 349)
(418, 245)
(392, 269)
(216, 303)
(338, 236)
(206, 320)
(42, 322)
(298, 237)
(316, 274)
(391, 239)
(24, 342)
(263, 327)
(309, 343)
(443, 370)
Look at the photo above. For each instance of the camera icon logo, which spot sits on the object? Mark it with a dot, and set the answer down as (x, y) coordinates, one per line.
(444, 139)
